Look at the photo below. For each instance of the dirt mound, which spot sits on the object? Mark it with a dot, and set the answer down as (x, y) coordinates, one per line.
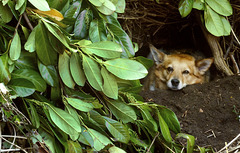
(206, 111)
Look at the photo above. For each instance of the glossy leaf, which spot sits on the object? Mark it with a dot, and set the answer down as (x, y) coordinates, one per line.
(22, 87)
(26, 61)
(49, 74)
(30, 44)
(185, 7)
(190, 141)
(164, 129)
(56, 44)
(100, 141)
(105, 49)
(171, 119)
(122, 111)
(115, 149)
(216, 24)
(44, 49)
(198, 4)
(147, 117)
(107, 8)
(52, 28)
(74, 147)
(86, 138)
(97, 31)
(64, 70)
(59, 5)
(118, 130)
(110, 87)
(64, 121)
(145, 61)
(77, 69)
(79, 104)
(19, 4)
(82, 23)
(126, 69)
(70, 110)
(222, 7)
(32, 76)
(40, 4)
(5, 13)
(93, 73)
(15, 47)
(120, 6)
(34, 116)
(123, 37)
(73, 10)
(5, 75)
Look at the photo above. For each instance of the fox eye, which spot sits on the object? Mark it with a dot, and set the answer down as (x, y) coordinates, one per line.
(185, 72)
(170, 69)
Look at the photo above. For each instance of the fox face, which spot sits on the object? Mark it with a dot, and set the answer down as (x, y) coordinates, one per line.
(176, 71)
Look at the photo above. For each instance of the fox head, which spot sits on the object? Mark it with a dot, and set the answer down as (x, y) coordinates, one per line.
(176, 71)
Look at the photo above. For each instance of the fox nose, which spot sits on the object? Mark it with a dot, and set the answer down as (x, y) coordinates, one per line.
(175, 82)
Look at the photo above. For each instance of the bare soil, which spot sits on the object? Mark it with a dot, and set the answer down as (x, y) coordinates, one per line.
(207, 111)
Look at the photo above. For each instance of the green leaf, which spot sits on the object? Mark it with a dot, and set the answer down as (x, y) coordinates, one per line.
(19, 4)
(96, 2)
(120, 6)
(34, 116)
(92, 72)
(5, 75)
(86, 138)
(73, 112)
(145, 61)
(44, 49)
(171, 119)
(82, 23)
(97, 31)
(54, 30)
(40, 4)
(216, 24)
(100, 141)
(22, 87)
(118, 130)
(164, 129)
(110, 87)
(126, 69)
(151, 123)
(105, 49)
(115, 149)
(80, 105)
(49, 74)
(32, 76)
(15, 48)
(64, 121)
(64, 70)
(26, 61)
(107, 8)
(74, 147)
(57, 4)
(122, 111)
(5, 13)
(190, 141)
(73, 10)
(198, 4)
(124, 39)
(56, 44)
(185, 7)
(30, 44)
(222, 7)
(77, 70)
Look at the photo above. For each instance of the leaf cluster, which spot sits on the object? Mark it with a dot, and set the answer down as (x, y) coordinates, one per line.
(214, 14)
(71, 68)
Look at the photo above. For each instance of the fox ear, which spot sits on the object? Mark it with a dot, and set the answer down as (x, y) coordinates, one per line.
(204, 64)
(157, 55)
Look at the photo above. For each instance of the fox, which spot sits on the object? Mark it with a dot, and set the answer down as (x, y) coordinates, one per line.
(176, 71)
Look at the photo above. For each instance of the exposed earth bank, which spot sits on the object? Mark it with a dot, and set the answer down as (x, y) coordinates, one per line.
(207, 111)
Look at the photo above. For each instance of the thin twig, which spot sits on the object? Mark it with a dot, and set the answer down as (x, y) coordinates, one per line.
(152, 143)
(27, 20)
(14, 144)
(14, 138)
(235, 65)
(229, 143)
(0, 137)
